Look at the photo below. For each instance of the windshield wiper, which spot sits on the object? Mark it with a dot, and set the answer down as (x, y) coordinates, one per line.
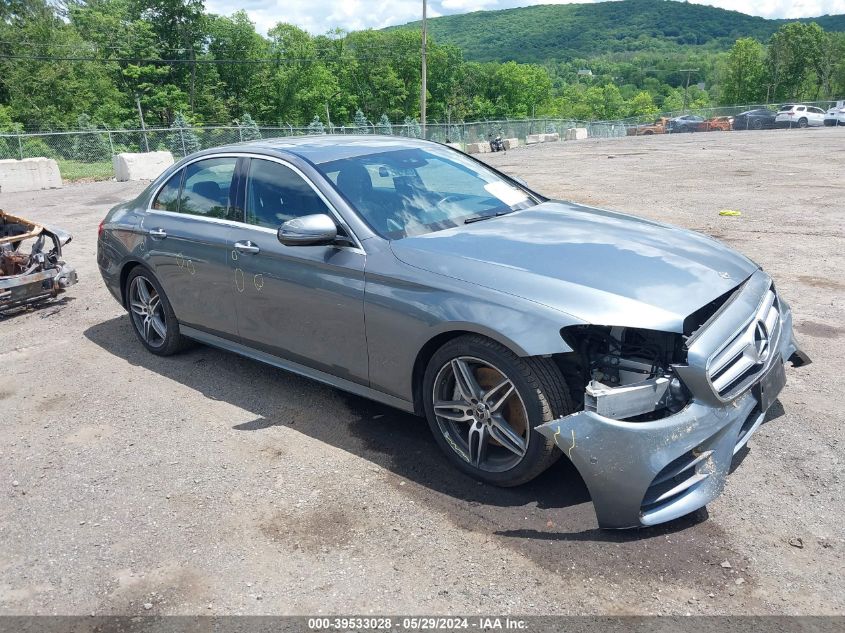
(479, 218)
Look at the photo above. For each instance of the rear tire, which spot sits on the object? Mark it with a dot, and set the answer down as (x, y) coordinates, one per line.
(151, 314)
(757, 124)
(802, 122)
(461, 422)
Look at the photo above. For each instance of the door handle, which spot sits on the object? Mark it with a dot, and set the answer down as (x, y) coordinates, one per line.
(158, 234)
(246, 247)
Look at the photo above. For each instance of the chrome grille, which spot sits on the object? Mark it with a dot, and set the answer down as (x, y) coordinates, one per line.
(742, 359)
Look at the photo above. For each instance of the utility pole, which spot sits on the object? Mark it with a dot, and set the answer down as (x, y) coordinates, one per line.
(688, 71)
(423, 88)
(141, 116)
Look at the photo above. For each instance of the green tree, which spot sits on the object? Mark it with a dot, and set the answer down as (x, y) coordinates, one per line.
(642, 104)
(411, 127)
(316, 126)
(90, 146)
(384, 126)
(248, 128)
(182, 140)
(518, 89)
(362, 125)
(795, 59)
(744, 76)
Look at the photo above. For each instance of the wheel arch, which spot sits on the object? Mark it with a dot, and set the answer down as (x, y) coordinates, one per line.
(524, 348)
(125, 271)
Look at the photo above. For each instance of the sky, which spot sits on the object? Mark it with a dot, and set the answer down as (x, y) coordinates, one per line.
(319, 16)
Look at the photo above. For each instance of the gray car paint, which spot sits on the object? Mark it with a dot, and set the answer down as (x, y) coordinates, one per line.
(518, 279)
(602, 267)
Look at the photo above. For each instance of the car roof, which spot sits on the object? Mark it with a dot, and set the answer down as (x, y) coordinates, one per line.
(323, 148)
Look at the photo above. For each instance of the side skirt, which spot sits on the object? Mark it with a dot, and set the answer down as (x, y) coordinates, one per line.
(296, 368)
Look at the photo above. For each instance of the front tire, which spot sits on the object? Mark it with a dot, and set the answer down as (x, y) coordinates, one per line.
(151, 314)
(483, 404)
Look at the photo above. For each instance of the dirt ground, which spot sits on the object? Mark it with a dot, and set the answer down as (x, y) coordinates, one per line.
(207, 483)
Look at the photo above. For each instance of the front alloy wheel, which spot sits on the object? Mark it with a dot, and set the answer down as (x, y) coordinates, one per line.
(480, 412)
(483, 403)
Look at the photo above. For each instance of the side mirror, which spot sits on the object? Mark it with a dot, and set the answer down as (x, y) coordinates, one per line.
(309, 230)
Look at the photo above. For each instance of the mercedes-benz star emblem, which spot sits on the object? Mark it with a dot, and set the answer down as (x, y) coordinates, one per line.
(761, 341)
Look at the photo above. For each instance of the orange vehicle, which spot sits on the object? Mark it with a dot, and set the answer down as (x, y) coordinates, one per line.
(718, 124)
(647, 129)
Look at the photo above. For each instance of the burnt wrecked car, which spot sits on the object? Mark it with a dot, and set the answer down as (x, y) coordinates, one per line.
(522, 328)
(31, 265)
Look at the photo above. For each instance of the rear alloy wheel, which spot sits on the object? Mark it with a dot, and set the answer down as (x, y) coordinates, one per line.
(757, 124)
(151, 315)
(483, 403)
(802, 122)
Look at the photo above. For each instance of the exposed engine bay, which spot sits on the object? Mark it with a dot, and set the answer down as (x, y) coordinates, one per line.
(31, 264)
(626, 373)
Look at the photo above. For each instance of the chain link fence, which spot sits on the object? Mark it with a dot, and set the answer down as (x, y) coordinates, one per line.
(87, 154)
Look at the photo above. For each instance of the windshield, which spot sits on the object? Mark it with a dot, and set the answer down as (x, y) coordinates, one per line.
(415, 191)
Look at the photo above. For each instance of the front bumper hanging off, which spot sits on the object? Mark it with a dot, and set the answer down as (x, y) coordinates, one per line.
(645, 473)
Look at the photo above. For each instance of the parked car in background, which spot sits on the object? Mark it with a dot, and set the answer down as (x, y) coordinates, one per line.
(718, 124)
(836, 115)
(647, 129)
(685, 123)
(758, 119)
(522, 328)
(799, 115)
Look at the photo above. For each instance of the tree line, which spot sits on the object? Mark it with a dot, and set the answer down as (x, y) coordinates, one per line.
(85, 64)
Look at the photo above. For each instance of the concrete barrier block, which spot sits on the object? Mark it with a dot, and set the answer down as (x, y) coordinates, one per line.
(145, 166)
(549, 138)
(576, 134)
(29, 174)
(533, 139)
(478, 148)
(459, 146)
(511, 143)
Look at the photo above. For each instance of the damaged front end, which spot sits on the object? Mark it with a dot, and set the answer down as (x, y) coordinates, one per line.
(31, 265)
(664, 413)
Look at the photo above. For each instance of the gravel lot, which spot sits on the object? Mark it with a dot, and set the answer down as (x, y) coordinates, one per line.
(207, 483)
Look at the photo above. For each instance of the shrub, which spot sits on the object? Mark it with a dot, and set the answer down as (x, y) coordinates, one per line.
(316, 126)
(384, 126)
(362, 125)
(182, 141)
(249, 128)
(90, 145)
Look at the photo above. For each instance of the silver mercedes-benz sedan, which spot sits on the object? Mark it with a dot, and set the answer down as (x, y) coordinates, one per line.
(522, 328)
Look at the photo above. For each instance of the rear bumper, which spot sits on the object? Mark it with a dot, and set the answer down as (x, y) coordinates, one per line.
(645, 473)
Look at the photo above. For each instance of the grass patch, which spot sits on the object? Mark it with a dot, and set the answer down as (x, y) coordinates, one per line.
(73, 170)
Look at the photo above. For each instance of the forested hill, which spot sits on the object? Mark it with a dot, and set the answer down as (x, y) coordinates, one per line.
(580, 31)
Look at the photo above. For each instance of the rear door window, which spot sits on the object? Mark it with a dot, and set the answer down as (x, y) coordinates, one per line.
(207, 189)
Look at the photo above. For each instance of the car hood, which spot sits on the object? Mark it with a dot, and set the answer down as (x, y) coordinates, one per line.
(598, 266)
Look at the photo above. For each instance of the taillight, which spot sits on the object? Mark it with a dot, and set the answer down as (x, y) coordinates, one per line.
(100, 228)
